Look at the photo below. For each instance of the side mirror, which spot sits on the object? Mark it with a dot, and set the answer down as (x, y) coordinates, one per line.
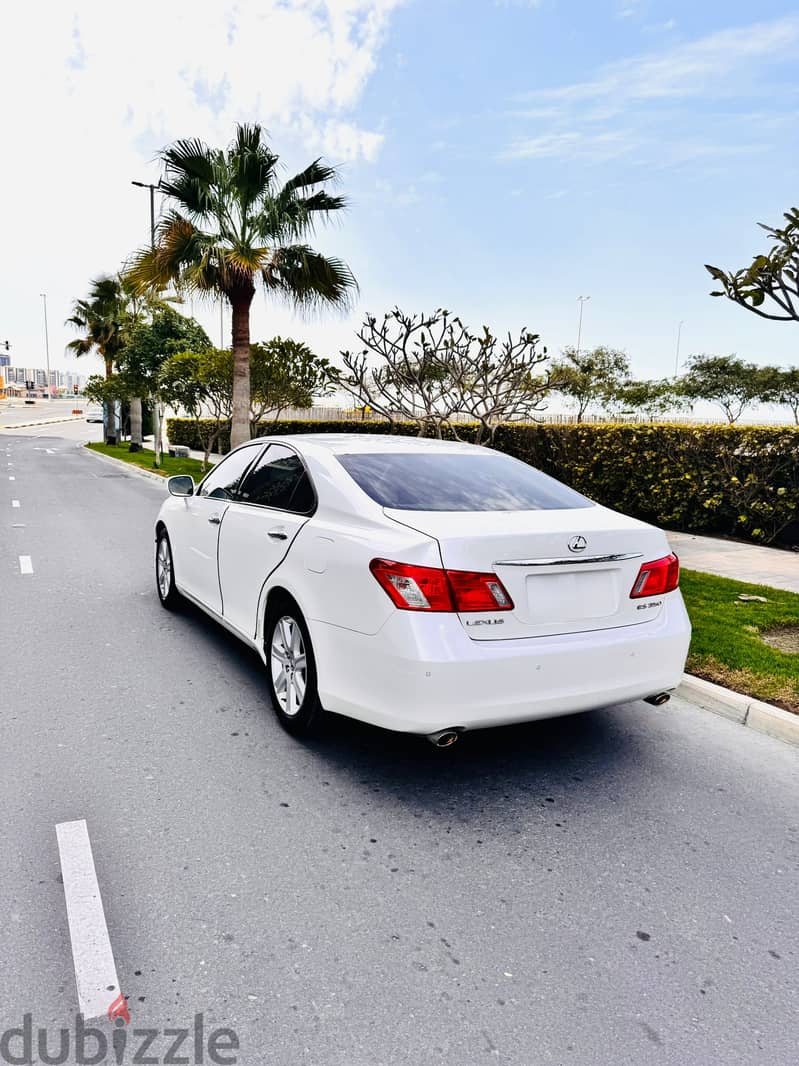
(181, 485)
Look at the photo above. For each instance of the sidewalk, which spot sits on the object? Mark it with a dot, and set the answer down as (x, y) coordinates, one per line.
(213, 458)
(742, 562)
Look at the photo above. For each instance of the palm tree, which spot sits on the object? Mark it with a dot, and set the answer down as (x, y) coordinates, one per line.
(106, 318)
(101, 317)
(233, 225)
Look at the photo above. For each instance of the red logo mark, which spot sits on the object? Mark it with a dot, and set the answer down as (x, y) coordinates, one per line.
(119, 1009)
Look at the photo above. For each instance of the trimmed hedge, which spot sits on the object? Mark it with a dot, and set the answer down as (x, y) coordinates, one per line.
(729, 480)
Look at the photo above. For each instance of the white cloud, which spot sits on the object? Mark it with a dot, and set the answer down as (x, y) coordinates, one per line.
(596, 147)
(343, 140)
(95, 89)
(684, 70)
(646, 103)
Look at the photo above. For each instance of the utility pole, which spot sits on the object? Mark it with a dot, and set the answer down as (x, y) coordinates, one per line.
(582, 300)
(46, 343)
(677, 353)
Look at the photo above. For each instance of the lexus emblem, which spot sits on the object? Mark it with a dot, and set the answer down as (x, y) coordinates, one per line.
(578, 544)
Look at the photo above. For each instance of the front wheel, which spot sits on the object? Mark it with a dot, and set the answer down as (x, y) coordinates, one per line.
(291, 671)
(165, 572)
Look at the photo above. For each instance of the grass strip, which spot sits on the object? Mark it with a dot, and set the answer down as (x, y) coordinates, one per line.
(727, 646)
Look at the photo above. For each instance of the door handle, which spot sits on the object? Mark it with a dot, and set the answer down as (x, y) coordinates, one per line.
(278, 534)
(215, 519)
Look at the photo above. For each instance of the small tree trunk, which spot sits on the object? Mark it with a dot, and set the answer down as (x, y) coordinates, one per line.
(110, 423)
(240, 300)
(157, 431)
(136, 438)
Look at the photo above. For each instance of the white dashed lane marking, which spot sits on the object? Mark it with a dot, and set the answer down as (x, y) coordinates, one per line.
(15, 503)
(95, 970)
(25, 564)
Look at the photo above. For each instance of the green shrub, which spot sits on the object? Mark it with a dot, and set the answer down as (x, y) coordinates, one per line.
(730, 480)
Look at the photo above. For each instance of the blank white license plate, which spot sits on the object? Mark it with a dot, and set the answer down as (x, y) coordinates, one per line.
(572, 597)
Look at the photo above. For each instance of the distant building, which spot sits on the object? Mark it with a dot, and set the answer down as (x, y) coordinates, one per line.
(61, 381)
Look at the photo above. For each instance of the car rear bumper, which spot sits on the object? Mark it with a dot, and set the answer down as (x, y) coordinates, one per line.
(422, 673)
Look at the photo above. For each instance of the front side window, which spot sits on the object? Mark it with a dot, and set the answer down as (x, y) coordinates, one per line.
(457, 481)
(223, 481)
(279, 480)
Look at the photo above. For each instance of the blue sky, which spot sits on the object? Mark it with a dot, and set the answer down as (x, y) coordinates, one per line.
(502, 158)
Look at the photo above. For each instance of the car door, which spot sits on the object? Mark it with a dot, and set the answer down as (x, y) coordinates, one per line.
(273, 503)
(194, 530)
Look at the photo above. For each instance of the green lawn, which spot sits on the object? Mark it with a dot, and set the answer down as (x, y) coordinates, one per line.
(146, 457)
(726, 646)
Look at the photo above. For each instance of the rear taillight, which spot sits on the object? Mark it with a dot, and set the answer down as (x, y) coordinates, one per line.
(413, 588)
(426, 588)
(662, 575)
(473, 591)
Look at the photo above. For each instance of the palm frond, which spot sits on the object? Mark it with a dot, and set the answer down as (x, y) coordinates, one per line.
(308, 278)
(80, 346)
(252, 173)
(316, 173)
(190, 170)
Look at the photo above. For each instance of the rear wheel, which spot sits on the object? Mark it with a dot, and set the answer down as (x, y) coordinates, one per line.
(165, 572)
(291, 670)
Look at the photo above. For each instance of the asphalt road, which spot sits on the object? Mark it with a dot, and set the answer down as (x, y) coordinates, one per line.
(16, 412)
(615, 888)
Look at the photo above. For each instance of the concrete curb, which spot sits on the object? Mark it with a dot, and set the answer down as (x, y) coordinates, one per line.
(755, 714)
(129, 468)
(45, 422)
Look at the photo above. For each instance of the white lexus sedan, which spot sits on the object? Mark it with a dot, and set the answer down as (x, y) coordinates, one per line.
(424, 586)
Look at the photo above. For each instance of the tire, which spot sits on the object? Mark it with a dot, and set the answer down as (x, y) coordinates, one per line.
(291, 670)
(165, 572)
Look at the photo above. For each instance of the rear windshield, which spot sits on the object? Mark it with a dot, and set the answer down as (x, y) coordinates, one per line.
(457, 481)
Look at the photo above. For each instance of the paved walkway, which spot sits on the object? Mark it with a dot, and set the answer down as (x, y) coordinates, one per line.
(743, 562)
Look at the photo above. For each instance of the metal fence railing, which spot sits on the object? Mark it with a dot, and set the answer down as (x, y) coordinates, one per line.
(347, 414)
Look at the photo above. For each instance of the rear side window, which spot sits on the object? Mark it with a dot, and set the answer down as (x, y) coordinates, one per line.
(279, 480)
(457, 481)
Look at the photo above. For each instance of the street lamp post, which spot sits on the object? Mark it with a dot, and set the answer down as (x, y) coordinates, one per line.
(581, 300)
(152, 188)
(156, 412)
(677, 353)
(46, 342)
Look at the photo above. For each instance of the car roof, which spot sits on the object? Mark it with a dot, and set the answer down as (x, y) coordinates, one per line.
(367, 443)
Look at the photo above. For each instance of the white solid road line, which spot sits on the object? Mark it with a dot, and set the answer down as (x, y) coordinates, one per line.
(95, 970)
(25, 564)
(15, 503)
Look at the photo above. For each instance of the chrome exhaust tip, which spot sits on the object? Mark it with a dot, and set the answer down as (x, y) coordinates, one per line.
(658, 700)
(444, 738)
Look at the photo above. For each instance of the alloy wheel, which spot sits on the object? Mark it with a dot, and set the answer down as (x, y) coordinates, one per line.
(289, 665)
(163, 567)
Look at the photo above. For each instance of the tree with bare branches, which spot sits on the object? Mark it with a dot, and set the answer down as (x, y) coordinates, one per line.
(433, 371)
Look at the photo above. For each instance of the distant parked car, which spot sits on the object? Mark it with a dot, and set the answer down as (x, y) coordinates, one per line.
(424, 586)
(94, 413)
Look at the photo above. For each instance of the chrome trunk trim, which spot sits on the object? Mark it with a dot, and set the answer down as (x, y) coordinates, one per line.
(571, 561)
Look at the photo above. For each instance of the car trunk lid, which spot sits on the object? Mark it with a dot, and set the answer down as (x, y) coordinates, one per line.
(566, 571)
